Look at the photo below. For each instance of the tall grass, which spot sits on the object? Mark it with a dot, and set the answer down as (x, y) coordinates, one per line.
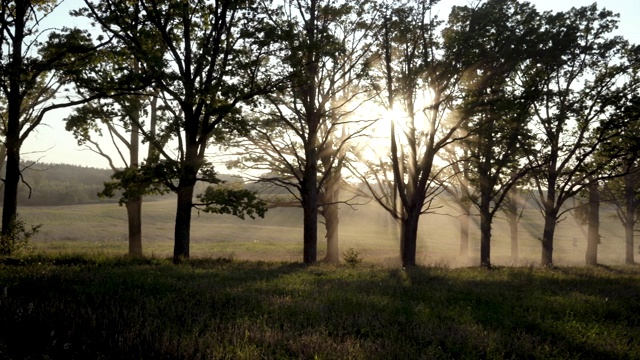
(105, 307)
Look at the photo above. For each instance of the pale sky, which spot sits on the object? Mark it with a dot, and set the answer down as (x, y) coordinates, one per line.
(53, 144)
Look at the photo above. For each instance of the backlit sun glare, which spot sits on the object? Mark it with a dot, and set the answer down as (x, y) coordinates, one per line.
(376, 140)
(375, 144)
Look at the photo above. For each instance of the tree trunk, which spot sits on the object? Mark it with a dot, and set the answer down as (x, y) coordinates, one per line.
(309, 195)
(330, 212)
(550, 218)
(408, 243)
(186, 187)
(310, 226)
(12, 172)
(332, 222)
(134, 205)
(3, 157)
(593, 235)
(485, 229)
(183, 222)
(330, 194)
(134, 216)
(12, 127)
(630, 216)
(511, 202)
(547, 238)
(10, 201)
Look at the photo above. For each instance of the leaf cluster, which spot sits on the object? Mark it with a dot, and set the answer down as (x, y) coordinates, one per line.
(136, 182)
(233, 201)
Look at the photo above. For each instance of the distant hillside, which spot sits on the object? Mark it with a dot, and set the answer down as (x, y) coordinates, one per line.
(61, 184)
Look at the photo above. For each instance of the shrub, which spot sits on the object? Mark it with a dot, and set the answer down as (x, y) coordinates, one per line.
(18, 237)
(351, 257)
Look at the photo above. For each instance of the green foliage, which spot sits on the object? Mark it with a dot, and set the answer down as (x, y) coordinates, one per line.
(18, 237)
(136, 182)
(229, 200)
(351, 257)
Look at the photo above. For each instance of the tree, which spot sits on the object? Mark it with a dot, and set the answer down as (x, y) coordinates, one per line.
(302, 132)
(131, 100)
(506, 47)
(513, 206)
(206, 59)
(456, 184)
(420, 78)
(122, 115)
(570, 116)
(624, 191)
(593, 232)
(30, 70)
(624, 194)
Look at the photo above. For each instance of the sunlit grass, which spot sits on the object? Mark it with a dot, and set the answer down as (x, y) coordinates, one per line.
(102, 228)
(77, 306)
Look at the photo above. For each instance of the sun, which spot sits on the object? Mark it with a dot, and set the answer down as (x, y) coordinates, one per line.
(373, 145)
(374, 142)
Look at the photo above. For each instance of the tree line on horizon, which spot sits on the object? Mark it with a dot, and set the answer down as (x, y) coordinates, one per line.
(330, 100)
(47, 184)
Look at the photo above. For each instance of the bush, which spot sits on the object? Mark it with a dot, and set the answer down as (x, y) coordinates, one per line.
(18, 238)
(351, 257)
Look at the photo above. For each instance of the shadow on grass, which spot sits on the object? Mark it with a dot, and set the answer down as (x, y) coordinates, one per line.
(219, 308)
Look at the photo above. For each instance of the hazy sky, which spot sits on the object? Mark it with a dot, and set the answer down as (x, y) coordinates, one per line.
(51, 143)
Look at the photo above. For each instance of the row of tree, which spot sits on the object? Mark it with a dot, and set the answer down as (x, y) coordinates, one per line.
(497, 98)
(500, 100)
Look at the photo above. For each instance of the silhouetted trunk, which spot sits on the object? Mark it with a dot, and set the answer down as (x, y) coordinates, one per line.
(185, 189)
(309, 195)
(550, 212)
(310, 226)
(12, 140)
(10, 202)
(630, 216)
(183, 222)
(409, 239)
(3, 157)
(312, 118)
(12, 174)
(485, 229)
(134, 217)
(547, 237)
(487, 184)
(593, 235)
(134, 205)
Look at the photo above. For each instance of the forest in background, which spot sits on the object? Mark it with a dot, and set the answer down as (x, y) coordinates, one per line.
(47, 184)
(51, 184)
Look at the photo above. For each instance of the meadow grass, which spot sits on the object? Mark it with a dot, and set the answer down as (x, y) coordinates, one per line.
(102, 229)
(75, 306)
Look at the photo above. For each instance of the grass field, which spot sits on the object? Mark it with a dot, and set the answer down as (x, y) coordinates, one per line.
(244, 294)
(102, 229)
(106, 307)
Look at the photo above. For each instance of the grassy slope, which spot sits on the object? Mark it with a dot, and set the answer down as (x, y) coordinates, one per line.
(102, 229)
(81, 307)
